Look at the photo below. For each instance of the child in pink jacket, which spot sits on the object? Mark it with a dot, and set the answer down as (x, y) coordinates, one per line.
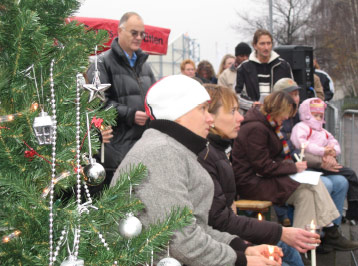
(310, 133)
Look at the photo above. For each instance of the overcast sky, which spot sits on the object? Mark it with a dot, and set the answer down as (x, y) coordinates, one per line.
(208, 21)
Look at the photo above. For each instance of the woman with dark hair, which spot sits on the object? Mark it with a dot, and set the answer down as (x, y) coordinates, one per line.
(206, 73)
(224, 109)
(262, 174)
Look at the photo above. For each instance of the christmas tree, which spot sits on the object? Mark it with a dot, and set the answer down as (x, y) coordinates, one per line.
(40, 57)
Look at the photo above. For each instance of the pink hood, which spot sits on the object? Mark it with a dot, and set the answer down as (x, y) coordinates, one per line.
(306, 116)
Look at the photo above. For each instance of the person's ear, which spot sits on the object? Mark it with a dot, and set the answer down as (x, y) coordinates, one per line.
(119, 30)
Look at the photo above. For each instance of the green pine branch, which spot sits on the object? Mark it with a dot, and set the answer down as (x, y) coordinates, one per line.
(32, 33)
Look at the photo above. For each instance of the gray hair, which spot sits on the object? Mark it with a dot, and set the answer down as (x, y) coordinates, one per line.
(125, 18)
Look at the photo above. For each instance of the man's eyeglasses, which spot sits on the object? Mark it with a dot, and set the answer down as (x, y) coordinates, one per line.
(135, 33)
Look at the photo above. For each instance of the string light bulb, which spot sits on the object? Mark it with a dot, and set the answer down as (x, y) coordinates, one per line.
(8, 118)
(8, 238)
(55, 181)
(34, 106)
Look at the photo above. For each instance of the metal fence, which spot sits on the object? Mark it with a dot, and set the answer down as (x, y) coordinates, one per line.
(344, 127)
(332, 120)
(349, 138)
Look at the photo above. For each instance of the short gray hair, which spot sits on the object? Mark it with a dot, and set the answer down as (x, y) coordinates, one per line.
(125, 18)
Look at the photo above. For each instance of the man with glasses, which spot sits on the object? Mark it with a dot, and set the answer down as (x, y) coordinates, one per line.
(124, 66)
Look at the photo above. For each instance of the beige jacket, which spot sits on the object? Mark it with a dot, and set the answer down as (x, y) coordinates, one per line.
(228, 78)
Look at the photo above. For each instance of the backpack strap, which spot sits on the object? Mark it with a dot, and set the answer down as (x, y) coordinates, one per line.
(309, 135)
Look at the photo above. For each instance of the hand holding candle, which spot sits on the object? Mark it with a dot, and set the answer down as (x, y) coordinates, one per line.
(262, 251)
(313, 229)
(106, 133)
(271, 250)
(302, 154)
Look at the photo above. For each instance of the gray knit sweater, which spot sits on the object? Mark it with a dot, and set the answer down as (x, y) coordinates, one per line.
(175, 178)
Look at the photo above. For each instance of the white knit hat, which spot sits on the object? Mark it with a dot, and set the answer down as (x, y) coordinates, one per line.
(173, 96)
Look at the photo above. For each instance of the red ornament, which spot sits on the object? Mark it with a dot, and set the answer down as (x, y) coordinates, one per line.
(97, 122)
(30, 154)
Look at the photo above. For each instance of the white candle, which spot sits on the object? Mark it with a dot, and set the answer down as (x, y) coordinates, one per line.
(102, 153)
(303, 145)
(271, 249)
(313, 251)
(313, 257)
(297, 158)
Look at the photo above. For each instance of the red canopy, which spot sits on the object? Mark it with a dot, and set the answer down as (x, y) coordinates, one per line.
(155, 41)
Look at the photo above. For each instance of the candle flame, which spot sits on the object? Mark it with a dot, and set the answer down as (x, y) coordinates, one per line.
(259, 217)
(10, 117)
(313, 225)
(17, 232)
(271, 249)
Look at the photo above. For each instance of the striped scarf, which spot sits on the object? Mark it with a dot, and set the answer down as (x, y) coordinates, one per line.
(277, 128)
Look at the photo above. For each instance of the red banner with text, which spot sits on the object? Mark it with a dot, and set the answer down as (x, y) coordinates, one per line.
(155, 41)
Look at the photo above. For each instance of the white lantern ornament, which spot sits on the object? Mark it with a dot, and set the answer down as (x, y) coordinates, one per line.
(43, 128)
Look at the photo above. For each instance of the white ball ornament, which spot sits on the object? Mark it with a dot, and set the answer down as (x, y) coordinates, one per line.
(130, 227)
(72, 261)
(169, 262)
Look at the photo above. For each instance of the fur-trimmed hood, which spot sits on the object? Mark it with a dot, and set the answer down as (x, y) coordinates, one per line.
(306, 115)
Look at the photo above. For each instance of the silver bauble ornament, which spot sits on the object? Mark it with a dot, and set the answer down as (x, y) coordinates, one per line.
(94, 173)
(72, 261)
(168, 262)
(130, 227)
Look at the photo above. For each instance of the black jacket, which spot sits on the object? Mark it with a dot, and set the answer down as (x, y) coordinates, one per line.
(325, 81)
(127, 93)
(247, 85)
(221, 216)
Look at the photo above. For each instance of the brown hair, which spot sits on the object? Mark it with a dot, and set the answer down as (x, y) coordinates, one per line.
(279, 103)
(223, 61)
(259, 33)
(315, 64)
(186, 61)
(205, 66)
(220, 96)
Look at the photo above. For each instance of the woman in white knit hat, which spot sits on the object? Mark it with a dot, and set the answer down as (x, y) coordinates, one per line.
(178, 108)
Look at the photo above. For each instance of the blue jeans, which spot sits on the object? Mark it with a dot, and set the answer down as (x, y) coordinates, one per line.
(337, 186)
(291, 256)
